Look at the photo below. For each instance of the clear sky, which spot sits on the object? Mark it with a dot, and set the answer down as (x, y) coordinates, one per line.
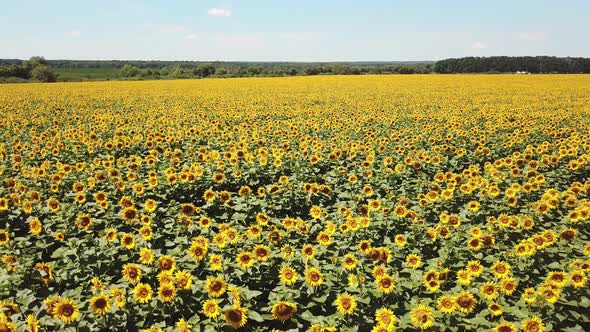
(298, 30)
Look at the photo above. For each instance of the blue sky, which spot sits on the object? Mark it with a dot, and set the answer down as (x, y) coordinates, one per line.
(303, 30)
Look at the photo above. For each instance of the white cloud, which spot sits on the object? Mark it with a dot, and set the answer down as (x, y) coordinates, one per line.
(191, 36)
(532, 36)
(75, 33)
(479, 45)
(219, 12)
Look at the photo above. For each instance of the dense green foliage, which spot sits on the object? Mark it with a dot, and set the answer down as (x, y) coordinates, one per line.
(36, 69)
(13, 71)
(504, 64)
(79, 70)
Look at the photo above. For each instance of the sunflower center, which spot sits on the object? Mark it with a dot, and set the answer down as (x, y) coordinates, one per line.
(67, 310)
(100, 303)
(346, 303)
(284, 309)
(234, 316)
(216, 286)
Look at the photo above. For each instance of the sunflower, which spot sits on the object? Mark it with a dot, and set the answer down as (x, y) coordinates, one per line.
(130, 214)
(210, 195)
(4, 237)
(508, 286)
(422, 316)
(474, 244)
(505, 327)
(146, 232)
(166, 277)
(9, 261)
(245, 191)
(53, 205)
(446, 304)
(364, 246)
(315, 212)
(142, 293)
(379, 271)
(283, 310)
(529, 295)
(413, 261)
(198, 250)
(495, 308)
(131, 273)
(150, 205)
(349, 262)
(558, 278)
(287, 275)
(218, 178)
(261, 252)
(215, 287)
(475, 268)
(146, 256)
(324, 238)
(59, 236)
(99, 304)
(5, 324)
(287, 252)
(308, 251)
(345, 304)
(46, 272)
(211, 309)
(385, 316)
(254, 231)
(66, 310)
(236, 317)
(183, 280)
(578, 278)
(313, 277)
(83, 222)
(262, 219)
(32, 323)
(118, 296)
(127, 241)
(501, 269)
(187, 209)
(167, 292)
(35, 226)
(245, 260)
(489, 290)
(183, 326)
(549, 293)
(3, 204)
(533, 324)
(50, 304)
(385, 284)
(111, 234)
(473, 206)
(465, 302)
(216, 262)
(368, 190)
(167, 263)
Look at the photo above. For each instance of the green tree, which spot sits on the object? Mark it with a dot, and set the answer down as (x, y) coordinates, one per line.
(35, 61)
(129, 71)
(43, 73)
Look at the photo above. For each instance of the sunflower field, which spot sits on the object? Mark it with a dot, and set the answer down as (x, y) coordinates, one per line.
(341, 203)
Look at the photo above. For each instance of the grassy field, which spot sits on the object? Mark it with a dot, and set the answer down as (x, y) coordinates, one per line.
(94, 74)
(332, 203)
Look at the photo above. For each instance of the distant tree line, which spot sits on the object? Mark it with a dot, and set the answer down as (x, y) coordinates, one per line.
(35, 69)
(131, 70)
(42, 70)
(504, 64)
